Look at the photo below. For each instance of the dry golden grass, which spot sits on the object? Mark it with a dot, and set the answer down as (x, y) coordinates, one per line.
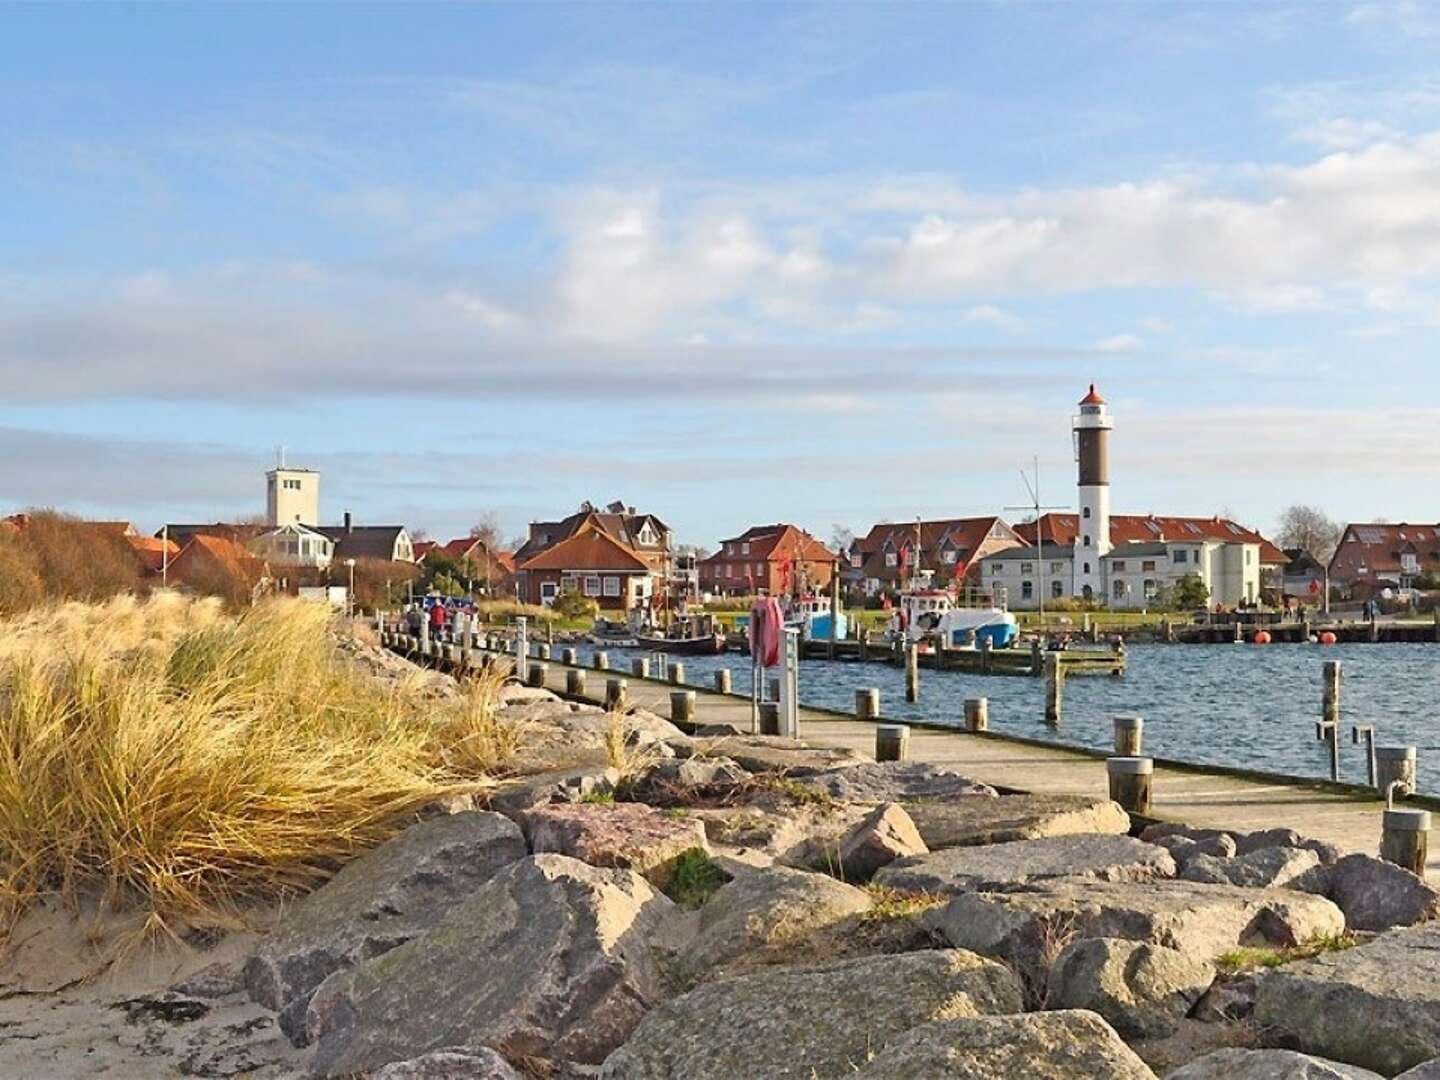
(177, 759)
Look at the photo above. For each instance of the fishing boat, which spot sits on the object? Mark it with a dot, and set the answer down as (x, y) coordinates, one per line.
(614, 635)
(812, 616)
(928, 615)
(688, 635)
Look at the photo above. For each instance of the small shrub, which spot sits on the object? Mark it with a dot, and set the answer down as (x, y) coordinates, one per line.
(695, 878)
(571, 605)
(890, 904)
(599, 798)
(1253, 958)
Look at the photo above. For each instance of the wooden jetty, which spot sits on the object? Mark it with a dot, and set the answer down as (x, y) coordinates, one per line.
(1102, 660)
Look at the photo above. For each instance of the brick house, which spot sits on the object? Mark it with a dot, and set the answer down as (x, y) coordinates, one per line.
(1374, 557)
(219, 566)
(644, 534)
(490, 569)
(949, 550)
(592, 563)
(779, 559)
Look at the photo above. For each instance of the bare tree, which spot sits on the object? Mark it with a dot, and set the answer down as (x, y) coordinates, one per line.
(1309, 528)
(841, 538)
(487, 530)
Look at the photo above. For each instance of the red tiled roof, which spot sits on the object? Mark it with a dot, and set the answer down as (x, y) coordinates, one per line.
(775, 541)
(1377, 548)
(1092, 398)
(1146, 528)
(229, 555)
(591, 549)
(153, 551)
(421, 548)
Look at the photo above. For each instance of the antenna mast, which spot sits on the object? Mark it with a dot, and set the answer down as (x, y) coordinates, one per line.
(1036, 506)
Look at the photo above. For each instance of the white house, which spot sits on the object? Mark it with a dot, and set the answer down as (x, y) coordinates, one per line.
(1136, 573)
(294, 544)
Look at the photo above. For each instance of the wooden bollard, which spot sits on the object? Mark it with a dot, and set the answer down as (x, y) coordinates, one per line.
(769, 718)
(1130, 779)
(892, 742)
(575, 682)
(863, 637)
(722, 681)
(615, 693)
(987, 654)
(542, 651)
(1129, 735)
(1054, 688)
(682, 706)
(537, 674)
(1037, 659)
(601, 660)
(912, 672)
(1330, 692)
(640, 667)
(977, 714)
(867, 703)
(1395, 764)
(567, 656)
(677, 674)
(1405, 839)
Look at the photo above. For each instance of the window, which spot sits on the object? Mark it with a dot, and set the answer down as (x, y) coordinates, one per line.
(1249, 557)
(1085, 512)
(1087, 541)
(1149, 588)
(1181, 555)
(1118, 564)
(997, 568)
(744, 549)
(1027, 568)
(592, 585)
(647, 534)
(856, 560)
(729, 569)
(1119, 590)
(1057, 568)
(891, 559)
(612, 586)
(1027, 589)
(949, 557)
(1057, 589)
(1148, 565)
(1086, 571)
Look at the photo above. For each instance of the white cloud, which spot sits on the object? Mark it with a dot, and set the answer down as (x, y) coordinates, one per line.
(990, 315)
(1118, 343)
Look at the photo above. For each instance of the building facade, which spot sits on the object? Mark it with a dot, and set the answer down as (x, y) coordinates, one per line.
(1092, 454)
(779, 559)
(593, 564)
(292, 497)
(1371, 558)
(931, 553)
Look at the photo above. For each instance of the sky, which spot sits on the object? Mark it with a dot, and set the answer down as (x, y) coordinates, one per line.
(730, 264)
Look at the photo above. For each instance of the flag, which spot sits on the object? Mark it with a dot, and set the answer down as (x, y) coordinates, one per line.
(904, 559)
(783, 565)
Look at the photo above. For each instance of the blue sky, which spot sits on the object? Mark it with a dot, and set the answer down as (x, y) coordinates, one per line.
(727, 263)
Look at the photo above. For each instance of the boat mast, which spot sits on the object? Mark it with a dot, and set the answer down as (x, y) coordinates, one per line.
(1036, 506)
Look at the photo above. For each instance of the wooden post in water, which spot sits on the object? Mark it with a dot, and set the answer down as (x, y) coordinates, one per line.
(1436, 615)
(1405, 839)
(575, 682)
(1329, 726)
(682, 706)
(1130, 782)
(867, 703)
(615, 694)
(542, 651)
(987, 654)
(1395, 764)
(769, 718)
(537, 674)
(677, 674)
(722, 681)
(1366, 732)
(1054, 688)
(835, 610)
(864, 644)
(977, 714)
(1375, 627)
(601, 660)
(640, 667)
(1037, 658)
(1129, 734)
(892, 742)
(912, 673)
(567, 656)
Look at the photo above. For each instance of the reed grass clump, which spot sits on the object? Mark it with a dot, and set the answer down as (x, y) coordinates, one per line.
(178, 759)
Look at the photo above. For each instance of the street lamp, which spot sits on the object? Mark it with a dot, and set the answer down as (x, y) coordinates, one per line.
(350, 591)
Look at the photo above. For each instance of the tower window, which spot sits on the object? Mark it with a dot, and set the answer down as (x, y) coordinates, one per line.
(1087, 541)
(1087, 568)
(1085, 512)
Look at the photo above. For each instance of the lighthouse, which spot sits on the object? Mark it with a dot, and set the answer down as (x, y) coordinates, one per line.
(1092, 453)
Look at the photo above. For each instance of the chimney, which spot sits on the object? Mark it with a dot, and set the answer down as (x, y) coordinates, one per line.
(348, 526)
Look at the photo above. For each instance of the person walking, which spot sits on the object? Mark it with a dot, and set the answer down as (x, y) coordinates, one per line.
(437, 619)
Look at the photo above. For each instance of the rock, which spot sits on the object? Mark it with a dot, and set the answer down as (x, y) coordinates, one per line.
(1152, 834)
(897, 781)
(767, 907)
(1376, 1005)
(212, 982)
(520, 694)
(997, 866)
(1426, 1070)
(808, 1022)
(1183, 848)
(551, 958)
(1062, 1045)
(628, 836)
(1030, 926)
(886, 834)
(1328, 853)
(1240, 1064)
(1143, 990)
(679, 780)
(770, 753)
(1377, 895)
(555, 785)
(1230, 998)
(1262, 868)
(377, 902)
(451, 1063)
(710, 731)
(1245, 843)
(967, 822)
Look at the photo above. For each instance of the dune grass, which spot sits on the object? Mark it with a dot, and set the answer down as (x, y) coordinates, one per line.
(169, 757)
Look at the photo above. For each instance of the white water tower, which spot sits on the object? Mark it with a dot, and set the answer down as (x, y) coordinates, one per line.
(1092, 454)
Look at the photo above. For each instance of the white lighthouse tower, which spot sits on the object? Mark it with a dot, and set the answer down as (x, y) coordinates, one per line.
(1092, 453)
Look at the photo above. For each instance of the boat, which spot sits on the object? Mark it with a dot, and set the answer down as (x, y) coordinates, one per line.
(929, 615)
(810, 614)
(614, 635)
(688, 635)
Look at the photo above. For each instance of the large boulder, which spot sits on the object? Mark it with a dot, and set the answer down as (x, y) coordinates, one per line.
(1426, 1070)
(451, 1063)
(1239, 1064)
(886, 834)
(569, 784)
(683, 780)
(1378, 895)
(968, 822)
(1061, 1045)
(1001, 866)
(377, 902)
(773, 754)
(1263, 868)
(897, 781)
(1029, 926)
(1376, 1005)
(628, 836)
(766, 908)
(1143, 990)
(552, 958)
(808, 1022)
(1183, 848)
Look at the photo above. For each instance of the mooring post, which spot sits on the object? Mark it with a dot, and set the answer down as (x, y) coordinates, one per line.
(538, 673)
(1396, 765)
(912, 672)
(424, 637)
(1366, 732)
(1130, 782)
(677, 674)
(1329, 726)
(1129, 734)
(977, 714)
(601, 660)
(1405, 839)
(864, 638)
(682, 706)
(987, 654)
(867, 703)
(640, 667)
(1054, 688)
(1435, 615)
(892, 742)
(770, 718)
(567, 657)
(522, 645)
(722, 681)
(615, 694)
(835, 612)
(1037, 658)
(575, 681)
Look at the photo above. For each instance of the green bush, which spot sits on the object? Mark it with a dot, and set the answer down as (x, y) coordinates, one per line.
(571, 605)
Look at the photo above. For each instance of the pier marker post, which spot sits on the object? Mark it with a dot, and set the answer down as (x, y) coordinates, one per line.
(912, 673)
(1395, 764)
(677, 674)
(682, 706)
(522, 644)
(867, 703)
(1405, 839)
(722, 681)
(575, 682)
(1054, 688)
(1129, 734)
(892, 742)
(1130, 782)
(769, 718)
(1366, 732)
(1037, 659)
(538, 673)
(640, 667)
(542, 651)
(567, 657)
(977, 714)
(1329, 726)
(987, 654)
(790, 685)
(864, 638)
(615, 694)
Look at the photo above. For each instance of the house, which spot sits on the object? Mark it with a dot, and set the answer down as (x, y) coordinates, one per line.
(154, 553)
(294, 546)
(1304, 576)
(1144, 528)
(1373, 557)
(490, 569)
(423, 548)
(779, 559)
(645, 534)
(390, 543)
(594, 564)
(939, 552)
(219, 567)
(239, 533)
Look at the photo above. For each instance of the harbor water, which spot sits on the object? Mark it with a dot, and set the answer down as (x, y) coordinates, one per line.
(1237, 705)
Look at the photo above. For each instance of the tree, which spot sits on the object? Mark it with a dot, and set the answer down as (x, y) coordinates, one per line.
(571, 605)
(1191, 594)
(1309, 528)
(841, 538)
(487, 530)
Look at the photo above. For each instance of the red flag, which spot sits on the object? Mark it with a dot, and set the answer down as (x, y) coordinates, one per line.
(904, 558)
(783, 563)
